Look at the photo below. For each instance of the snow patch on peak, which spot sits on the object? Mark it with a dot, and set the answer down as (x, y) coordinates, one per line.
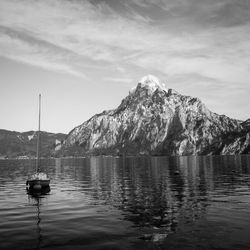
(151, 82)
(132, 90)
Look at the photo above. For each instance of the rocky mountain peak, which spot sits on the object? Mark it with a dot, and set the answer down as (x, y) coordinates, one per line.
(156, 120)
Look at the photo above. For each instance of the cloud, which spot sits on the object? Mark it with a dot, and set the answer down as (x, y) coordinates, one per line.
(119, 80)
(169, 37)
(80, 30)
(20, 47)
(218, 53)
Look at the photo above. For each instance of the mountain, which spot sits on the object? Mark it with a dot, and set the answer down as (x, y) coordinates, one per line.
(15, 144)
(155, 120)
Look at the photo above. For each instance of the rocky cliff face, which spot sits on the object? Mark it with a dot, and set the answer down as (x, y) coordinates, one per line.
(160, 121)
(235, 142)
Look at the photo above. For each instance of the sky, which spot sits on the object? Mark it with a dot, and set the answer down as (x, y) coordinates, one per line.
(84, 56)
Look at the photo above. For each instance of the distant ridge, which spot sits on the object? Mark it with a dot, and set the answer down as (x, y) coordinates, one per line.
(158, 121)
(16, 144)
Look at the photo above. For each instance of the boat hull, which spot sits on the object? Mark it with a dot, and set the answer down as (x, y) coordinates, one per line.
(38, 184)
(37, 192)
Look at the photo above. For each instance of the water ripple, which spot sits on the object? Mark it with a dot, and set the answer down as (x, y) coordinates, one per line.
(128, 203)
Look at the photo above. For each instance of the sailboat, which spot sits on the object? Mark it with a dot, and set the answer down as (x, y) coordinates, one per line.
(39, 179)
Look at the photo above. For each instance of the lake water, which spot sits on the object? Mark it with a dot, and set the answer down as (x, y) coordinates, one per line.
(128, 203)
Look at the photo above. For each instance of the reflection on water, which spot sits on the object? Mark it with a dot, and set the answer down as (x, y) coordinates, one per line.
(129, 203)
(35, 199)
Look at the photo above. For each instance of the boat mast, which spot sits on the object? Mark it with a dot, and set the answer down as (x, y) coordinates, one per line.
(38, 136)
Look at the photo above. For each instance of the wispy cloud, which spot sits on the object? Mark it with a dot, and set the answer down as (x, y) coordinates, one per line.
(24, 48)
(92, 32)
(119, 80)
(80, 31)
